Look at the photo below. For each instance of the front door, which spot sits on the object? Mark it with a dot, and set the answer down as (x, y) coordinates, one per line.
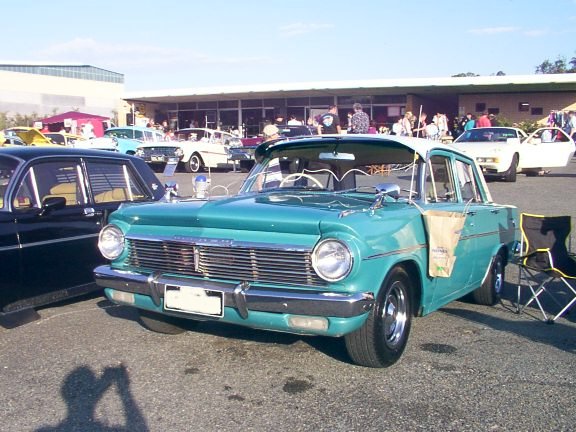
(59, 247)
(442, 195)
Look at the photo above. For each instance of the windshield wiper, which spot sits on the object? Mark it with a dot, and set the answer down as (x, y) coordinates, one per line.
(356, 189)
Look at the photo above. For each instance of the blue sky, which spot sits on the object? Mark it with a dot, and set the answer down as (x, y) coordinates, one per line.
(175, 45)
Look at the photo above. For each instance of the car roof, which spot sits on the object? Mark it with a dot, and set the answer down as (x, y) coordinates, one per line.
(136, 128)
(188, 130)
(420, 146)
(28, 153)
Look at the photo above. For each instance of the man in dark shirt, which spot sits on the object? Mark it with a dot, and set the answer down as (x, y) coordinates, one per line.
(329, 122)
(360, 122)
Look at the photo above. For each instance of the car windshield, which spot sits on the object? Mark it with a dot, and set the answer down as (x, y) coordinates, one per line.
(352, 167)
(487, 135)
(7, 168)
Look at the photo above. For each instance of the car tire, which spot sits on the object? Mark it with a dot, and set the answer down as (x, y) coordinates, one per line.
(194, 164)
(490, 291)
(382, 339)
(163, 324)
(510, 174)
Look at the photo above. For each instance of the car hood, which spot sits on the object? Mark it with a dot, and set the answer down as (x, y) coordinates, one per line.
(482, 148)
(34, 138)
(270, 212)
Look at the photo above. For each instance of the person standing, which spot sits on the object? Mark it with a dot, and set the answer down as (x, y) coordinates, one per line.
(360, 122)
(471, 123)
(294, 121)
(483, 120)
(571, 124)
(329, 122)
(397, 127)
(419, 130)
(441, 121)
(407, 124)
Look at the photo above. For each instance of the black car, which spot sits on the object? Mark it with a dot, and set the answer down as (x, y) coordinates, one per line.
(244, 155)
(53, 204)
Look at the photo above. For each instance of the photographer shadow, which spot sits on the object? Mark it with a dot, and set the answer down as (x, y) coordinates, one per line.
(82, 390)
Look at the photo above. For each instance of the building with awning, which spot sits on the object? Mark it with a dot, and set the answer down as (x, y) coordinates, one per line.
(248, 108)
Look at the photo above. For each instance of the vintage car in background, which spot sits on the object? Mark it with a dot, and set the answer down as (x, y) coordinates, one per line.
(244, 156)
(30, 136)
(78, 141)
(10, 140)
(129, 138)
(327, 236)
(195, 148)
(506, 151)
(53, 204)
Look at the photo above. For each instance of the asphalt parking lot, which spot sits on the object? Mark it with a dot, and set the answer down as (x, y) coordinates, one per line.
(89, 366)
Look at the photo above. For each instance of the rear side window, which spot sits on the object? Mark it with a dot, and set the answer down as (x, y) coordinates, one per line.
(114, 182)
(55, 179)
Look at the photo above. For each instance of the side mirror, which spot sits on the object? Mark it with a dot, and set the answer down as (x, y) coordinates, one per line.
(52, 203)
(390, 189)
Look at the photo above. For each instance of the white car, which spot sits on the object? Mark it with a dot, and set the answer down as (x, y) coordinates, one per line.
(506, 151)
(195, 148)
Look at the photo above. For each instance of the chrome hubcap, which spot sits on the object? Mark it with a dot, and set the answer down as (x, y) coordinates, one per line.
(498, 282)
(394, 314)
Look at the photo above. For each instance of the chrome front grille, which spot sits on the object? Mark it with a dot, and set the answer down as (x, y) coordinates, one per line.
(159, 151)
(238, 263)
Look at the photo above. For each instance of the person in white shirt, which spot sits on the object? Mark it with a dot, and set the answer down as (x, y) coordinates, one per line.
(294, 121)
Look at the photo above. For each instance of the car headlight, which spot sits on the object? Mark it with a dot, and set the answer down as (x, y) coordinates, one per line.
(332, 260)
(139, 152)
(179, 152)
(111, 242)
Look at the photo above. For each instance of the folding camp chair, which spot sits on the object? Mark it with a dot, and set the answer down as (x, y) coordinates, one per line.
(545, 257)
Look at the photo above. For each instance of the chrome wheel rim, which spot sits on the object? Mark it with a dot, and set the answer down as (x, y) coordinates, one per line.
(394, 314)
(194, 163)
(498, 278)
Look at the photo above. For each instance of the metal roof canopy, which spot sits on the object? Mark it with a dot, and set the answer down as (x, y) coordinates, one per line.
(421, 86)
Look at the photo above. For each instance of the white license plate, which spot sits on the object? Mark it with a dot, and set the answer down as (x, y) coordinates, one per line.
(155, 158)
(194, 300)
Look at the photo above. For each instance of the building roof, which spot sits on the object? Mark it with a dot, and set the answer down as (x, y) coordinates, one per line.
(64, 70)
(456, 85)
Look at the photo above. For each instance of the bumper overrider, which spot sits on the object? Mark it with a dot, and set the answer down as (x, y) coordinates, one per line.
(243, 297)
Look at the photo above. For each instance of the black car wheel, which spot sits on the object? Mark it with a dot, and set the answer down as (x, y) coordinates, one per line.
(382, 339)
(163, 324)
(491, 290)
(510, 174)
(195, 164)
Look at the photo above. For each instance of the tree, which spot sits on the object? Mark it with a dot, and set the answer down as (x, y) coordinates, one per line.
(557, 67)
(467, 74)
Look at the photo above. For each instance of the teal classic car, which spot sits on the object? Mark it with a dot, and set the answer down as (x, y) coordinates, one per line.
(331, 235)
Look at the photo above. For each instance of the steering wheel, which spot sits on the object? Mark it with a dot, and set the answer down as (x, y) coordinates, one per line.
(300, 175)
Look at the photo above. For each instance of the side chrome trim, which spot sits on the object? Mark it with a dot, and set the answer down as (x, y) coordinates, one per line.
(397, 251)
(60, 240)
(47, 242)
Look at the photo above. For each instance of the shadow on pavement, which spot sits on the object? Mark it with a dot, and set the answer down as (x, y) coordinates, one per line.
(559, 335)
(329, 346)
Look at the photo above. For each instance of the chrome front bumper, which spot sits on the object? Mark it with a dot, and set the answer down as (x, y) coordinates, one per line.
(242, 296)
